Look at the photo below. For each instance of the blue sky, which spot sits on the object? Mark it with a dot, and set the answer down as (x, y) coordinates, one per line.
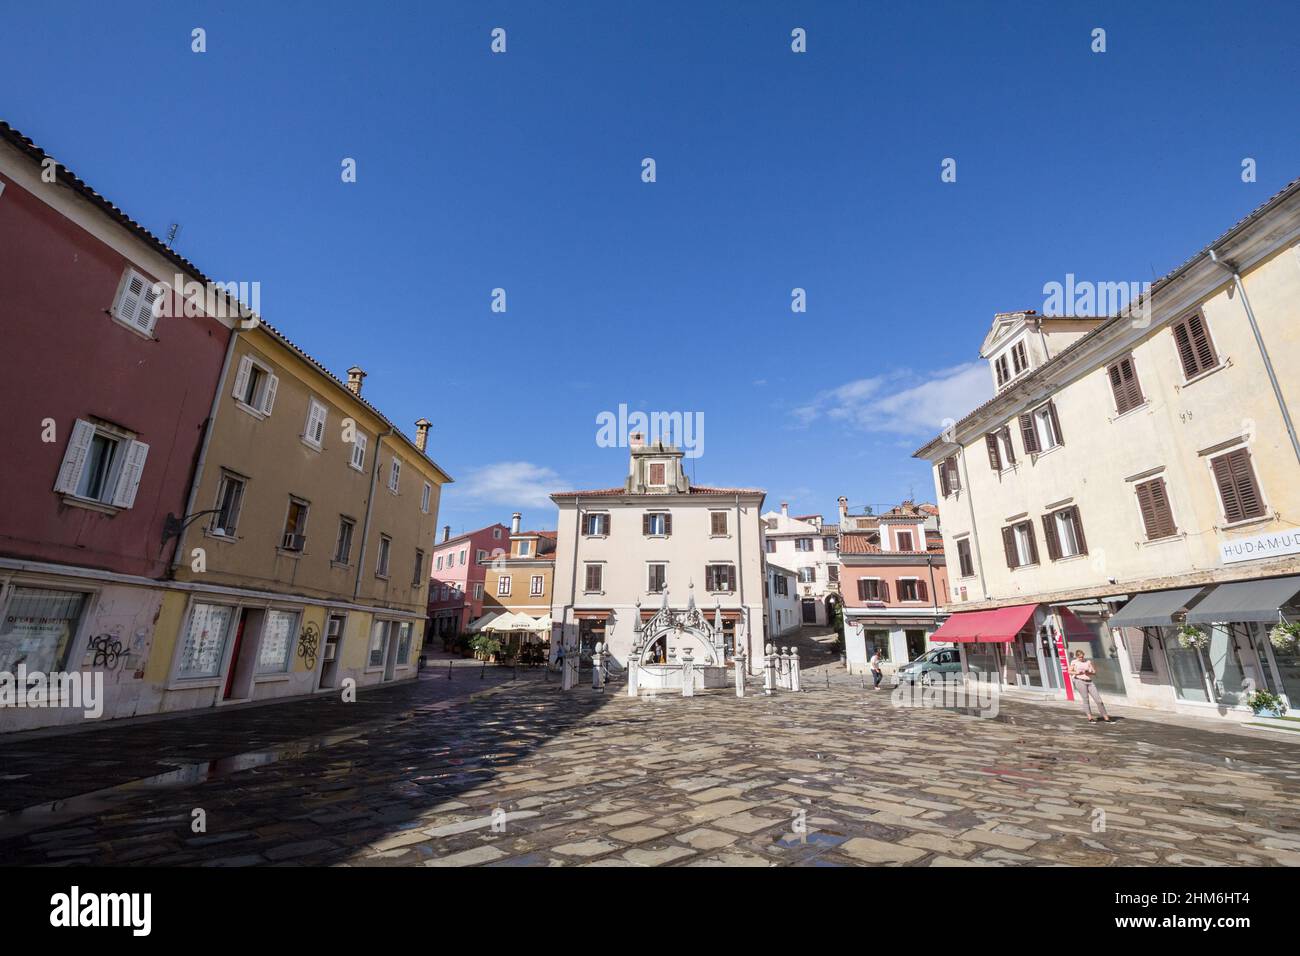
(775, 170)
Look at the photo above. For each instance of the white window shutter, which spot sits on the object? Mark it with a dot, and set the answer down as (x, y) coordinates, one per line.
(241, 377)
(128, 479)
(74, 459)
(128, 302)
(268, 397)
(144, 317)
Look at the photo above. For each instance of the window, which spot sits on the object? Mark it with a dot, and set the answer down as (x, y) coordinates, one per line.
(657, 473)
(101, 465)
(964, 559)
(769, 545)
(781, 585)
(403, 643)
(1238, 489)
(525, 549)
(833, 573)
(807, 575)
(463, 552)
(385, 547)
(595, 523)
(1040, 429)
(358, 460)
(230, 498)
(418, 578)
(1124, 385)
(595, 577)
(1063, 531)
(496, 534)
(343, 545)
(657, 524)
(503, 586)
(773, 524)
(1021, 548)
(394, 475)
(719, 577)
(135, 303)
(830, 544)
(478, 591)
(871, 589)
(1153, 504)
(425, 496)
(1194, 345)
(255, 386)
(904, 539)
(480, 556)
(204, 645)
(1003, 370)
(535, 584)
(313, 432)
(438, 563)
(949, 478)
(717, 523)
(656, 578)
(273, 654)
(295, 525)
(378, 643)
(1002, 453)
(803, 544)
(1019, 357)
(38, 628)
(911, 589)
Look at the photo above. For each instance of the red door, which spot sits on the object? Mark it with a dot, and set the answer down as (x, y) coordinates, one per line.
(234, 659)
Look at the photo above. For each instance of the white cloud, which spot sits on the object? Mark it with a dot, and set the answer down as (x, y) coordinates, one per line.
(514, 484)
(903, 402)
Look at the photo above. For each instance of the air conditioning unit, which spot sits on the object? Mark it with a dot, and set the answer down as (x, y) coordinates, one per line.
(294, 542)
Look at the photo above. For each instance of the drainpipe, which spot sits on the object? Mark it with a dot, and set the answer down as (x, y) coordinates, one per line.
(370, 508)
(1231, 268)
(740, 577)
(203, 447)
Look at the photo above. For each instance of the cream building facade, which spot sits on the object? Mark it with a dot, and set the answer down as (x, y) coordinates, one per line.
(808, 546)
(1150, 453)
(623, 553)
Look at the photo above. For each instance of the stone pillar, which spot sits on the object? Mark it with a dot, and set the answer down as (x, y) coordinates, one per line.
(739, 662)
(794, 668)
(769, 671)
(569, 667)
(633, 667)
(688, 673)
(598, 668)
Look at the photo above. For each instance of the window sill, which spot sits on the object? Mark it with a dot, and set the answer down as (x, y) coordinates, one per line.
(133, 328)
(1070, 557)
(250, 410)
(725, 536)
(358, 470)
(595, 536)
(1136, 408)
(73, 501)
(1043, 454)
(382, 577)
(285, 552)
(660, 536)
(223, 538)
(278, 677)
(311, 444)
(194, 683)
(1223, 363)
(1247, 522)
(597, 593)
(340, 566)
(1177, 536)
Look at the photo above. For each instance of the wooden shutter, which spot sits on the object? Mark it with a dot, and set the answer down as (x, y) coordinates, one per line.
(954, 477)
(1056, 423)
(964, 562)
(1153, 503)
(1078, 530)
(135, 304)
(883, 593)
(1028, 435)
(1124, 385)
(1237, 486)
(241, 377)
(128, 479)
(1033, 543)
(995, 457)
(943, 478)
(268, 394)
(668, 523)
(74, 459)
(1009, 545)
(1009, 448)
(645, 524)
(921, 593)
(1049, 533)
(862, 589)
(1194, 345)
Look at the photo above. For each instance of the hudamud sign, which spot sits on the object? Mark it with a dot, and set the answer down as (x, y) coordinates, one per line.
(1257, 547)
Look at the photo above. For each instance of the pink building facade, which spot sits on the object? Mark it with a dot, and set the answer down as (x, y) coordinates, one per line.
(892, 577)
(457, 573)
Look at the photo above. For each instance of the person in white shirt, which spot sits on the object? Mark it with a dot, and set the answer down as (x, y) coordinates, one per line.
(876, 672)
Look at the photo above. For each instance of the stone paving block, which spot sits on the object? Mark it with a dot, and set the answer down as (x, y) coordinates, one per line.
(472, 857)
(868, 850)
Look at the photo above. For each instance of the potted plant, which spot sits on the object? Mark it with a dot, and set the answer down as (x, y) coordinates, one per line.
(1191, 637)
(1264, 704)
(485, 646)
(1284, 635)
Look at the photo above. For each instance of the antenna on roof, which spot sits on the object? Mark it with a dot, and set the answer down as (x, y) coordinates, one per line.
(172, 232)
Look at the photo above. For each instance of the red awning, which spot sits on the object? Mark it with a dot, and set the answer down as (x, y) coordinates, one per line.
(984, 627)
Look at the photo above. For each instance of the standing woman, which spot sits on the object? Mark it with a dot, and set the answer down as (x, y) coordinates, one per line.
(1082, 672)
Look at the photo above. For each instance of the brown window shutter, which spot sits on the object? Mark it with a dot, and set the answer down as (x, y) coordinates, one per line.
(1119, 386)
(1164, 513)
(1232, 506)
(1028, 435)
(668, 524)
(954, 476)
(1009, 545)
(1078, 530)
(1033, 542)
(1132, 388)
(884, 591)
(1201, 342)
(862, 589)
(1056, 423)
(1049, 534)
(645, 524)
(1243, 479)
(921, 594)
(1008, 446)
(1186, 353)
(995, 459)
(943, 478)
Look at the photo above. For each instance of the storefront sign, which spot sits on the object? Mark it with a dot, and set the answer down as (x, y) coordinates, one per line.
(1257, 547)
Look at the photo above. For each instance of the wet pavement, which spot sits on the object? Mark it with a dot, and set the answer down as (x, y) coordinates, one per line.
(515, 773)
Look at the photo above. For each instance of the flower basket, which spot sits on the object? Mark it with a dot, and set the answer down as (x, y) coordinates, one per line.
(1284, 636)
(1264, 704)
(1193, 638)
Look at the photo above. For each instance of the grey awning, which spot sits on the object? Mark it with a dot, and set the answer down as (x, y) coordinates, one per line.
(1154, 608)
(1245, 601)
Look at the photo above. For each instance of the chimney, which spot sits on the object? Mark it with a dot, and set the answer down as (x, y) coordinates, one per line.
(785, 509)
(446, 532)
(355, 378)
(636, 440)
(514, 522)
(844, 509)
(422, 433)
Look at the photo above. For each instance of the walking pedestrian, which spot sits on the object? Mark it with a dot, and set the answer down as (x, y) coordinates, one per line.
(876, 672)
(1082, 672)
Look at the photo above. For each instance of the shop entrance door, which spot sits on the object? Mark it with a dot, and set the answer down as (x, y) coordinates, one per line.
(809, 611)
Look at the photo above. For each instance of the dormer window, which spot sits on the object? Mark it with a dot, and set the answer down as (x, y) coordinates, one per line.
(1011, 364)
(658, 472)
